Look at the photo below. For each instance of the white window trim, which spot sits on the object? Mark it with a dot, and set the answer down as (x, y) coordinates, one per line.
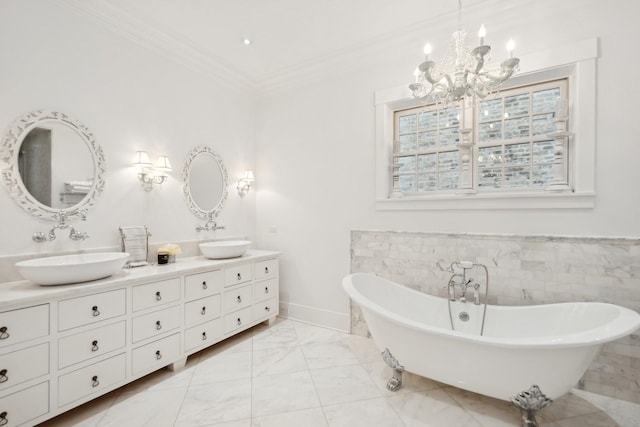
(577, 62)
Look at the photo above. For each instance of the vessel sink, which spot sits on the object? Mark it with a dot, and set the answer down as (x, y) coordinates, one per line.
(74, 268)
(224, 248)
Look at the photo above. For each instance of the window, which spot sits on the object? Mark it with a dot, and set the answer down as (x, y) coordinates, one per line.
(508, 169)
(511, 130)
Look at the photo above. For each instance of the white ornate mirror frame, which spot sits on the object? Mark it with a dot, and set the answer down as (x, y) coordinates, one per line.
(9, 166)
(208, 214)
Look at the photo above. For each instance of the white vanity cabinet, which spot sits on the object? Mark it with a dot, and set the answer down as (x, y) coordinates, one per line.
(61, 346)
(25, 354)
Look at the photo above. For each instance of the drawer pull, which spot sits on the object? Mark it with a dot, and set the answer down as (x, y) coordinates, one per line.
(239, 276)
(239, 299)
(266, 270)
(158, 355)
(3, 419)
(266, 289)
(267, 309)
(204, 336)
(158, 296)
(203, 311)
(239, 321)
(95, 310)
(158, 325)
(94, 346)
(94, 381)
(3, 376)
(3, 333)
(204, 285)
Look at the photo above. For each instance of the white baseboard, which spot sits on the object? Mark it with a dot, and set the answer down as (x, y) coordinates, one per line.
(315, 316)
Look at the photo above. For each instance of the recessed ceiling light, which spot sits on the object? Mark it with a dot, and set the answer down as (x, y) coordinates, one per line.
(246, 41)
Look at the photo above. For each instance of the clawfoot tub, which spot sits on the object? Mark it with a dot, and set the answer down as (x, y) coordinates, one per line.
(549, 346)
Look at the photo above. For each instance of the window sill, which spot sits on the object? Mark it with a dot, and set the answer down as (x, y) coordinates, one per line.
(485, 201)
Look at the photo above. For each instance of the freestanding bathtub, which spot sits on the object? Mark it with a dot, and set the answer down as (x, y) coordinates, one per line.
(550, 345)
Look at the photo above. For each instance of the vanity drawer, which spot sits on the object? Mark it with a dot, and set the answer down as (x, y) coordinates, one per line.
(207, 333)
(24, 324)
(25, 405)
(85, 345)
(235, 299)
(202, 310)
(265, 309)
(266, 269)
(23, 365)
(236, 320)
(155, 294)
(83, 382)
(155, 323)
(91, 309)
(237, 275)
(203, 284)
(265, 289)
(157, 354)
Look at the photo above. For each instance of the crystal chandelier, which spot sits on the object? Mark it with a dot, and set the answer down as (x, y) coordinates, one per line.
(462, 71)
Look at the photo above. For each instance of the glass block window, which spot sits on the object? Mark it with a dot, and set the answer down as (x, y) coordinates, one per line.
(512, 149)
(427, 148)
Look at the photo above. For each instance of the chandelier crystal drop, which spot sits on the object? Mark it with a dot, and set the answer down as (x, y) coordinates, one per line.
(462, 72)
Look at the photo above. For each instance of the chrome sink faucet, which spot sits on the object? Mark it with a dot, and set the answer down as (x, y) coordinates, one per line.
(210, 225)
(51, 236)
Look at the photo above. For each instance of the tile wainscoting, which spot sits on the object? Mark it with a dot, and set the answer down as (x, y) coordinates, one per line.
(523, 270)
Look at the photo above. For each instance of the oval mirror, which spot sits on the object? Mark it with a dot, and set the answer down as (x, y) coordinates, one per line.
(51, 165)
(204, 180)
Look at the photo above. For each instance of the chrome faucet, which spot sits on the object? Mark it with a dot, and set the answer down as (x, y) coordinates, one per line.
(51, 236)
(462, 282)
(210, 225)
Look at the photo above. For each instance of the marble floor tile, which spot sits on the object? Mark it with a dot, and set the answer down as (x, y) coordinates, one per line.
(329, 353)
(223, 367)
(293, 374)
(279, 336)
(343, 384)
(87, 415)
(308, 418)
(363, 413)
(278, 361)
(432, 408)
(486, 410)
(283, 393)
(161, 408)
(380, 373)
(216, 402)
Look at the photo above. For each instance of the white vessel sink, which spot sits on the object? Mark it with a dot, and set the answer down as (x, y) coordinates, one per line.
(224, 248)
(74, 268)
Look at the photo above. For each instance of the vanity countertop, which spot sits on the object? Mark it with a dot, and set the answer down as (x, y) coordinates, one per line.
(19, 293)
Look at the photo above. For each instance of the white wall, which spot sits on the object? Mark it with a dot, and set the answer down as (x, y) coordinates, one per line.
(130, 98)
(316, 145)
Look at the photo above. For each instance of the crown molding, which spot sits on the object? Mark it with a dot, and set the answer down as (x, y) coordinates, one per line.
(160, 40)
(166, 42)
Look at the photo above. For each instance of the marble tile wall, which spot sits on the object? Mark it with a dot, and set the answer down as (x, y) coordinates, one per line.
(522, 270)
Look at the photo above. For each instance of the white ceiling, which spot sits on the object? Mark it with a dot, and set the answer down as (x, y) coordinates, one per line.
(285, 33)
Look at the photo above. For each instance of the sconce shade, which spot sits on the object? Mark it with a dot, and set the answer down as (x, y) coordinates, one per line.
(163, 164)
(248, 176)
(142, 159)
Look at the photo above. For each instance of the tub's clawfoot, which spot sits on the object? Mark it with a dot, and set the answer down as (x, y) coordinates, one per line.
(530, 402)
(396, 381)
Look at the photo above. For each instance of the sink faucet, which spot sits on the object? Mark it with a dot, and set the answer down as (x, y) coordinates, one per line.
(51, 236)
(210, 225)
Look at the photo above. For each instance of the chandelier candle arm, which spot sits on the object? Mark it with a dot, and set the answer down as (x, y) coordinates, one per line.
(462, 72)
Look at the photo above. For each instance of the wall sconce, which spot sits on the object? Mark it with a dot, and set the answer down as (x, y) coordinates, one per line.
(245, 183)
(149, 174)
